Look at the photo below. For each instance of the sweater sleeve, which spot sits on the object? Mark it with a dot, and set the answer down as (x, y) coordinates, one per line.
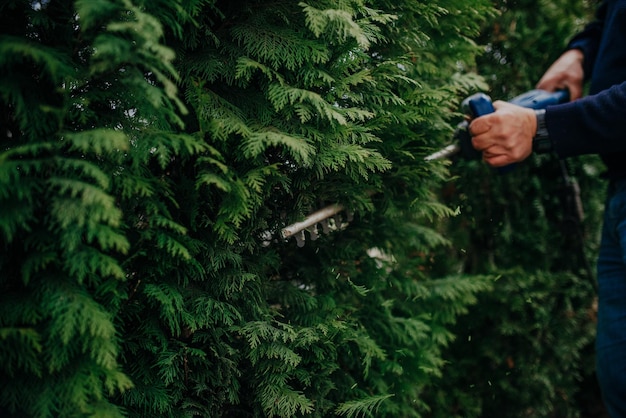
(595, 124)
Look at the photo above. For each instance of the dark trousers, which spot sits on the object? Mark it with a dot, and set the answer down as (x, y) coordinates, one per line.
(611, 332)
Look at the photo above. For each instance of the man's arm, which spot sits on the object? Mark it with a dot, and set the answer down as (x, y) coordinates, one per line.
(592, 125)
(506, 136)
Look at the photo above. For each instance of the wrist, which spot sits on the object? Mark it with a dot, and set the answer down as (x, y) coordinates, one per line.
(541, 141)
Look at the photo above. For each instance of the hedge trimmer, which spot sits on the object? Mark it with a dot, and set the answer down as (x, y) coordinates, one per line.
(328, 218)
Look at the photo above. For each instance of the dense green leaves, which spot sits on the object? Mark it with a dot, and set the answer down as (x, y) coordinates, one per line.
(151, 153)
(72, 79)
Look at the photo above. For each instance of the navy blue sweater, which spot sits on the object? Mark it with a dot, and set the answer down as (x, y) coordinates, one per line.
(596, 124)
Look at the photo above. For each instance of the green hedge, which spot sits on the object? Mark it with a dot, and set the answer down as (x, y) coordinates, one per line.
(149, 148)
(152, 152)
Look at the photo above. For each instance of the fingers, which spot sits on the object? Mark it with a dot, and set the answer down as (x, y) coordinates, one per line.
(505, 136)
(565, 73)
(497, 155)
(480, 125)
(497, 160)
(575, 88)
(496, 120)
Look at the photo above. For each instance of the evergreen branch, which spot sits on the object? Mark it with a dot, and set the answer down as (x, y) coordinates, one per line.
(278, 47)
(14, 50)
(28, 358)
(170, 303)
(278, 400)
(246, 68)
(92, 13)
(74, 314)
(365, 407)
(84, 205)
(86, 262)
(268, 351)
(338, 21)
(171, 245)
(98, 141)
(298, 147)
(209, 311)
(211, 179)
(355, 159)
(281, 95)
(369, 349)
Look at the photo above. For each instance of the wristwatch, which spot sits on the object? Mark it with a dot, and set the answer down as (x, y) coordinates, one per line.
(541, 140)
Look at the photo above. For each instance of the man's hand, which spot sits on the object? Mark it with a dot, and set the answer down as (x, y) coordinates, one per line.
(505, 136)
(565, 73)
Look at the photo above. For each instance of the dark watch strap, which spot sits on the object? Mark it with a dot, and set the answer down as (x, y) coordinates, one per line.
(541, 141)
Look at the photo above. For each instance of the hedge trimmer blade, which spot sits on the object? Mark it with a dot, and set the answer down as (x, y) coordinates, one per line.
(327, 218)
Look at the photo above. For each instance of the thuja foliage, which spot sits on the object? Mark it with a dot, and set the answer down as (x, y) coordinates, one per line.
(526, 348)
(151, 152)
(79, 82)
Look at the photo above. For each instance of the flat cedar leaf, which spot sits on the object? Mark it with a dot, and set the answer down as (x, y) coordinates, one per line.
(170, 302)
(169, 224)
(279, 400)
(16, 216)
(210, 179)
(104, 409)
(344, 27)
(98, 141)
(211, 311)
(91, 12)
(15, 49)
(295, 95)
(369, 349)
(28, 359)
(134, 185)
(86, 207)
(87, 168)
(246, 68)
(365, 407)
(75, 315)
(24, 154)
(36, 262)
(297, 147)
(87, 262)
(275, 351)
(172, 245)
